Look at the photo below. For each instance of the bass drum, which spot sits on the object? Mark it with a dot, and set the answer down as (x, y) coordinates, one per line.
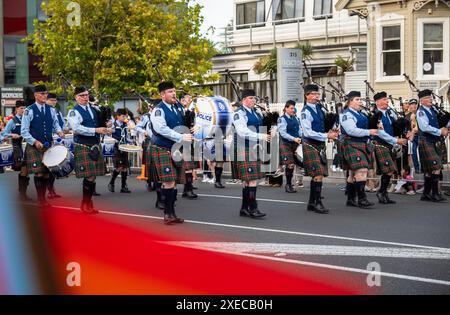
(211, 115)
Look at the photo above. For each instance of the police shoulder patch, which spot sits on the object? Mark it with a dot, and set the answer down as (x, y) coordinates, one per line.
(158, 113)
(279, 120)
(303, 116)
(72, 113)
(421, 113)
(344, 117)
(26, 112)
(236, 116)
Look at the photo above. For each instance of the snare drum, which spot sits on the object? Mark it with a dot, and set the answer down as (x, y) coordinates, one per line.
(129, 148)
(108, 147)
(59, 160)
(6, 155)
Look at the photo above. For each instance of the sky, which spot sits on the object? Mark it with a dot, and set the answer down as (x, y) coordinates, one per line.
(216, 13)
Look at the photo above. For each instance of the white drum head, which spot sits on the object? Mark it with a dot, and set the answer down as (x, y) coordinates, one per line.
(5, 147)
(55, 155)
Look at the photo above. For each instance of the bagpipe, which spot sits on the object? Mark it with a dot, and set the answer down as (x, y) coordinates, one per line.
(438, 104)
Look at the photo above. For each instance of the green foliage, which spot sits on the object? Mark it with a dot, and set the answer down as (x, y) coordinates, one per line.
(117, 43)
(344, 64)
(307, 50)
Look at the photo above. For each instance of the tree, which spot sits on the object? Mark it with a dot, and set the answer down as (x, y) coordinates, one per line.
(117, 41)
(344, 64)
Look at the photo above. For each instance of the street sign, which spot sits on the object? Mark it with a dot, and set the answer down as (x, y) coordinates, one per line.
(289, 74)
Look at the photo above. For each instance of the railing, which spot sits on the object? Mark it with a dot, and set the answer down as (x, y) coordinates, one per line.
(297, 29)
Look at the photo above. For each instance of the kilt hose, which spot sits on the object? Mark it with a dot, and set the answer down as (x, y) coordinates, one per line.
(383, 158)
(246, 166)
(311, 160)
(84, 165)
(287, 151)
(120, 158)
(356, 155)
(165, 168)
(430, 156)
(33, 160)
(18, 157)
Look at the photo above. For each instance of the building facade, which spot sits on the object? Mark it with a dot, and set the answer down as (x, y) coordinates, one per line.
(261, 25)
(405, 37)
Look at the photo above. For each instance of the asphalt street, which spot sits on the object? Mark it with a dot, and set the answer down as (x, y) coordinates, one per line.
(409, 242)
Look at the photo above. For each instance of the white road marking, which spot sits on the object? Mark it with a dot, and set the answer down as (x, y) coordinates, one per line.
(259, 199)
(320, 250)
(272, 230)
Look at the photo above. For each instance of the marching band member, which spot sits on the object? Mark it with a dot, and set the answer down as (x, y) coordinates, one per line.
(164, 119)
(143, 128)
(357, 150)
(314, 145)
(290, 138)
(12, 130)
(38, 123)
(120, 160)
(430, 155)
(247, 122)
(89, 162)
(52, 101)
(383, 146)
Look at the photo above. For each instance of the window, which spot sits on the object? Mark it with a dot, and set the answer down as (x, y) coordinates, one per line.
(250, 13)
(288, 9)
(15, 60)
(391, 51)
(40, 13)
(433, 48)
(323, 8)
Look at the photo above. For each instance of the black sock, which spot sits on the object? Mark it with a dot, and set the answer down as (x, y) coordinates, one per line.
(289, 175)
(244, 198)
(360, 189)
(40, 187)
(86, 191)
(318, 193)
(173, 198)
(351, 191)
(124, 179)
(252, 198)
(91, 189)
(189, 180)
(218, 172)
(23, 184)
(312, 192)
(435, 184)
(385, 180)
(113, 177)
(427, 185)
(51, 183)
(167, 195)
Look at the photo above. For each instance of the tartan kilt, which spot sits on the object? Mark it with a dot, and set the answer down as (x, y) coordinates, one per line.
(356, 155)
(287, 151)
(383, 158)
(166, 169)
(430, 156)
(120, 158)
(311, 160)
(33, 160)
(191, 165)
(149, 166)
(244, 169)
(443, 150)
(84, 165)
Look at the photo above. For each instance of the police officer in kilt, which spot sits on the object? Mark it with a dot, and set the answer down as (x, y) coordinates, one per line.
(89, 163)
(165, 119)
(357, 150)
(312, 120)
(290, 138)
(429, 150)
(383, 144)
(12, 130)
(247, 164)
(120, 159)
(38, 124)
(52, 101)
(189, 166)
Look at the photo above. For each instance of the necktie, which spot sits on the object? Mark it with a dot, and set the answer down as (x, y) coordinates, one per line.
(43, 110)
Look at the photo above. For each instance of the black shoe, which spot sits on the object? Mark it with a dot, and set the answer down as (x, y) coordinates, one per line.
(388, 200)
(125, 190)
(44, 204)
(96, 194)
(169, 219)
(190, 195)
(438, 198)
(289, 189)
(111, 187)
(311, 207)
(426, 197)
(177, 219)
(244, 212)
(194, 187)
(24, 197)
(53, 195)
(352, 203)
(256, 214)
(88, 208)
(381, 198)
(218, 185)
(364, 203)
(320, 208)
